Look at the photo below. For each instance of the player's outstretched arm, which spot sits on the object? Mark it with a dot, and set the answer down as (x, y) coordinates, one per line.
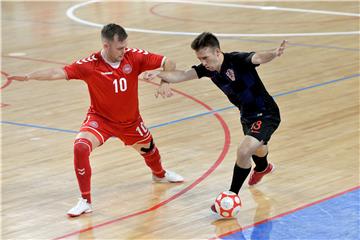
(177, 75)
(169, 77)
(267, 56)
(46, 74)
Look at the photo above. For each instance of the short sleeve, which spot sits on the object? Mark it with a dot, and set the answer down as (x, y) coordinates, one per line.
(201, 71)
(74, 71)
(244, 58)
(150, 61)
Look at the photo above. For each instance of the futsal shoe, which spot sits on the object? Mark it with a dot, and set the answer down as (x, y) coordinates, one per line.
(213, 209)
(170, 177)
(216, 214)
(81, 207)
(256, 177)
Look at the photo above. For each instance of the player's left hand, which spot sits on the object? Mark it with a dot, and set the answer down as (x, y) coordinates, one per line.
(164, 90)
(280, 50)
(150, 75)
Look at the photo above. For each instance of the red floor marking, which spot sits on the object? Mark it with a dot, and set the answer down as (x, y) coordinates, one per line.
(2, 105)
(7, 83)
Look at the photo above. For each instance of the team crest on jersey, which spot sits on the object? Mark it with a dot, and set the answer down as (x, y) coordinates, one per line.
(127, 68)
(230, 73)
(94, 124)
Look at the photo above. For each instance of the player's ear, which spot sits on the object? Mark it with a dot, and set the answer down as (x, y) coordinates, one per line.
(106, 44)
(217, 52)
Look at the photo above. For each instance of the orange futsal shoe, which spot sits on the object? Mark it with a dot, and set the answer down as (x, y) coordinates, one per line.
(256, 177)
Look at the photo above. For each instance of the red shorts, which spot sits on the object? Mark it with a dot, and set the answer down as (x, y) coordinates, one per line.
(103, 129)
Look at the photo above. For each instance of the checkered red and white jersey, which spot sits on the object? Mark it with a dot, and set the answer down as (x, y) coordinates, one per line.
(114, 91)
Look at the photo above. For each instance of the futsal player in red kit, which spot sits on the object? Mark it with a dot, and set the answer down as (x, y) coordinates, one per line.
(112, 79)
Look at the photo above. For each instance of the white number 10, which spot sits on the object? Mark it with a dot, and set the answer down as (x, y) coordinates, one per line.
(120, 84)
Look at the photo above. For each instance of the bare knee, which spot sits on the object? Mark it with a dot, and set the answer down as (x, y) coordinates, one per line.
(246, 149)
(243, 157)
(261, 151)
(89, 137)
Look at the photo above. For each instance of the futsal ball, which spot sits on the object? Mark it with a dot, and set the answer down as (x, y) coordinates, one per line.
(228, 204)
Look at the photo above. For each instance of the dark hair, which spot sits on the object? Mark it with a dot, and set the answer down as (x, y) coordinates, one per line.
(109, 31)
(206, 39)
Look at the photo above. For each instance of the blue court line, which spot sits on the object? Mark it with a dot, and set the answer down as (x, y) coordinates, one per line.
(335, 219)
(274, 96)
(38, 126)
(192, 116)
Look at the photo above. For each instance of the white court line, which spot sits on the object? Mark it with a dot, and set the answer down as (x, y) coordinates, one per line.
(272, 8)
(70, 13)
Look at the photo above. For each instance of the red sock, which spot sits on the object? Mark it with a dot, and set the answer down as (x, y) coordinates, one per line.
(153, 160)
(82, 149)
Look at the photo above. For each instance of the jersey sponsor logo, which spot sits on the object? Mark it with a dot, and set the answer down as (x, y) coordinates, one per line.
(230, 73)
(127, 68)
(85, 60)
(94, 124)
(136, 50)
(106, 73)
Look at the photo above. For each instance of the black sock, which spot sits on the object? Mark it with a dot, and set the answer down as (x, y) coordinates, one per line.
(239, 176)
(261, 163)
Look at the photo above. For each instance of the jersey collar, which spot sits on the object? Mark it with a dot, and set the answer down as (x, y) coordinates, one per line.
(112, 64)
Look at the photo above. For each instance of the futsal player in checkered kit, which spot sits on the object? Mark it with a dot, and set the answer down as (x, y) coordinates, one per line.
(235, 74)
(112, 79)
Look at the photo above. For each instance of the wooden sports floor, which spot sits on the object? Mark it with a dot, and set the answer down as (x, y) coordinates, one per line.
(315, 150)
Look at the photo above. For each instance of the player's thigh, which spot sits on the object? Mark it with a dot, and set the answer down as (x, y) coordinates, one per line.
(89, 136)
(96, 129)
(136, 135)
(261, 128)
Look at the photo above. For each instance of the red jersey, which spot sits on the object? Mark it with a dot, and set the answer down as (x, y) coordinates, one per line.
(114, 91)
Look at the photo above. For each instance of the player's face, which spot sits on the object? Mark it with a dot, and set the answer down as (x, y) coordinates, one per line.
(210, 58)
(115, 49)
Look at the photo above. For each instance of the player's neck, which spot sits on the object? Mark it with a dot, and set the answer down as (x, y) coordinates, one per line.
(221, 60)
(106, 58)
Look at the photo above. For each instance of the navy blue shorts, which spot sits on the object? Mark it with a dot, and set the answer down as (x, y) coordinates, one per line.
(261, 127)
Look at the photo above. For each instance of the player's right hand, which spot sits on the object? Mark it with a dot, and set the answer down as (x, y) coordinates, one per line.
(18, 78)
